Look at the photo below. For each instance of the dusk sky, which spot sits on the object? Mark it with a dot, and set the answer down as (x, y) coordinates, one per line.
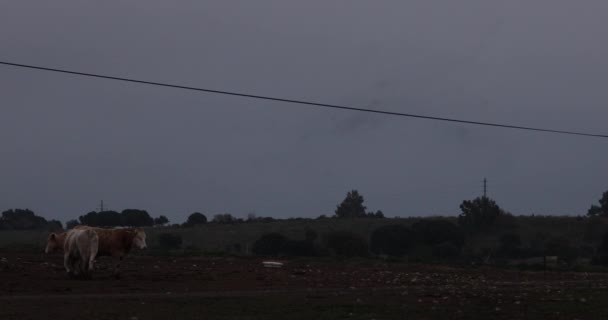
(67, 142)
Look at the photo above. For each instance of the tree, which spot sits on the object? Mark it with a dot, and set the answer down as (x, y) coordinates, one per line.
(136, 218)
(54, 225)
(102, 219)
(378, 214)
(111, 218)
(71, 224)
(478, 213)
(21, 219)
(225, 218)
(594, 211)
(196, 218)
(161, 220)
(602, 209)
(351, 206)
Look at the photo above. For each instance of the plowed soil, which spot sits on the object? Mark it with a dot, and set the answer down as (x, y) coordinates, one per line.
(36, 287)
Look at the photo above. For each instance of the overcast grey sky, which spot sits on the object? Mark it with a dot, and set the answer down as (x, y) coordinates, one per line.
(67, 142)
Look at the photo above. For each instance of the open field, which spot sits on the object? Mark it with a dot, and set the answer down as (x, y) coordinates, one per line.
(33, 286)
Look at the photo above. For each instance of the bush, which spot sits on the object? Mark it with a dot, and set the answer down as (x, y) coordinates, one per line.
(505, 222)
(71, 224)
(446, 250)
(233, 248)
(169, 240)
(510, 245)
(586, 251)
(346, 244)
(23, 219)
(561, 247)
(298, 248)
(311, 235)
(269, 244)
(434, 232)
(392, 240)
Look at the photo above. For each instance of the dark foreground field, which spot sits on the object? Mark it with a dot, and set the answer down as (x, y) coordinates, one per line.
(35, 287)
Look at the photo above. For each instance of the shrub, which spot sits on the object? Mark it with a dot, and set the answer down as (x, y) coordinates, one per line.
(586, 251)
(169, 240)
(347, 244)
(433, 232)
(446, 250)
(392, 240)
(561, 247)
(311, 235)
(510, 245)
(298, 248)
(505, 222)
(269, 244)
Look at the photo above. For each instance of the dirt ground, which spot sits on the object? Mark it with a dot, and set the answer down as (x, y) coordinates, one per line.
(36, 287)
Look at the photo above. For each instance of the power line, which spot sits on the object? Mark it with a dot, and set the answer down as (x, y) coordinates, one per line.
(101, 207)
(302, 102)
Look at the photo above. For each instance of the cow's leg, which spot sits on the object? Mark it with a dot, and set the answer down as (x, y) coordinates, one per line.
(67, 263)
(84, 267)
(117, 269)
(91, 266)
(79, 268)
(93, 249)
(92, 258)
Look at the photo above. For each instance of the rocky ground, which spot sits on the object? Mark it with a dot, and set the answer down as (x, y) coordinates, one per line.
(36, 287)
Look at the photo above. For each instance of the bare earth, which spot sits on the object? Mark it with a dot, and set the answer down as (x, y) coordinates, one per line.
(35, 287)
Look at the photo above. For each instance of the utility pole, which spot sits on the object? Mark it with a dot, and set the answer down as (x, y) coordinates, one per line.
(485, 187)
(101, 208)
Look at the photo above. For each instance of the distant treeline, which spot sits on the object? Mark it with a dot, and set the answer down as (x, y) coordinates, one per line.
(482, 230)
(25, 219)
(475, 214)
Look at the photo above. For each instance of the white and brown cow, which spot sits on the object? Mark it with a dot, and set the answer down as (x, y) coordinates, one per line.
(117, 243)
(79, 252)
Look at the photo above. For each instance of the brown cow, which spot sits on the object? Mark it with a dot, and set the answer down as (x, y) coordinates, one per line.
(118, 243)
(55, 242)
(80, 248)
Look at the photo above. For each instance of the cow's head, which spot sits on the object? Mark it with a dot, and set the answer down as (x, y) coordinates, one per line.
(53, 243)
(139, 240)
